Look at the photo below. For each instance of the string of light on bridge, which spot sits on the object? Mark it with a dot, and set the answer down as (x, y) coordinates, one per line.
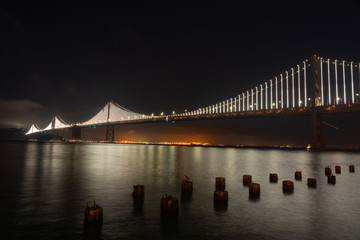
(340, 84)
(293, 79)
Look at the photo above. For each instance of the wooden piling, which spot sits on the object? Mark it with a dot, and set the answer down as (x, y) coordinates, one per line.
(93, 214)
(247, 179)
(327, 171)
(186, 186)
(298, 175)
(331, 179)
(220, 183)
(311, 182)
(337, 169)
(273, 177)
(220, 195)
(254, 190)
(169, 204)
(351, 168)
(288, 186)
(138, 191)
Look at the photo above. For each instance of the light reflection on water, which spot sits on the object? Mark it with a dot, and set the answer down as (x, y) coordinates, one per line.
(47, 186)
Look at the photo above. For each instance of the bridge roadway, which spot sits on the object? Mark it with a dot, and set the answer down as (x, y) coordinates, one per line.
(302, 111)
(322, 84)
(314, 113)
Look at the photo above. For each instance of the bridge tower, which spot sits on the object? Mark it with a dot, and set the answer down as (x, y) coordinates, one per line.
(56, 133)
(317, 138)
(110, 133)
(110, 128)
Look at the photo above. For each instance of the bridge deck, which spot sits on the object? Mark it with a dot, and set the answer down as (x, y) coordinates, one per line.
(304, 111)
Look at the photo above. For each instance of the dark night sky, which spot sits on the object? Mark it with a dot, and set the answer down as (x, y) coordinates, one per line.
(154, 57)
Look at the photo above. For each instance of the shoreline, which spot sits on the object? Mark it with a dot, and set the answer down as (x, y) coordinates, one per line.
(293, 148)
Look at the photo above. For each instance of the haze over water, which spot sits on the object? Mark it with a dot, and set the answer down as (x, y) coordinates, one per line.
(45, 187)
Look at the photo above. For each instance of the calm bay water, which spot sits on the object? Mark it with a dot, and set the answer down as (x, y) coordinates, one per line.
(45, 187)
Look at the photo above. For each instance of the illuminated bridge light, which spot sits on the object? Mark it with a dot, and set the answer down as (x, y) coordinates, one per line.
(261, 97)
(282, 89)
(322, 81)
(114, 113)
(252, 97)
(247, 101)
(344, 81)
(293, 86)
(287, 89)
(305, 94)
(299, 86)
(328, 74)
(336, 84)
(276, 93)
(271, 98)
(257, 100)
(352, 83)
(266, 98)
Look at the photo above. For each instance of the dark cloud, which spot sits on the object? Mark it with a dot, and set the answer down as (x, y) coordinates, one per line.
(21, 113)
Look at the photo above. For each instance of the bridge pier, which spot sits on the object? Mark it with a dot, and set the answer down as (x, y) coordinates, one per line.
(317, 139)
(76, 133)
(110, 133)
(110, 128)
(56, 134)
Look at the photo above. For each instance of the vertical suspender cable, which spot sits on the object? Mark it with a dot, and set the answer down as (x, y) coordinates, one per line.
(299, 94)
(261, 97)
(287, 89)
(336, 84)
(322, 82)
(305, 95)
(247, 100)
(276, 93)
(271, 100)
(266, 98)
(252, 100)
(293, 87)
(243, 99)
(352, 83)
(329, 89)
(257, 99)
(282, 91)
(344, 81)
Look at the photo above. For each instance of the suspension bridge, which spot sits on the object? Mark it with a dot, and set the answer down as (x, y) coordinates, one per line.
(314, 87)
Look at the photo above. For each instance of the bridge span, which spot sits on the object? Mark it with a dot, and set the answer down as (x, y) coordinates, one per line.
(314, 88)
